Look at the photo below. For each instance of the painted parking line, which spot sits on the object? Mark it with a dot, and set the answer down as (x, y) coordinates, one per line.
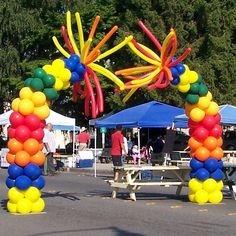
(203, 210)
(175, 206)
(150, 203)
(232, 214)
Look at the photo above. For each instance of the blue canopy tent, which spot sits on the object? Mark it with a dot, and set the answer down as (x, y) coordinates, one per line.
(227, 112)
(148, 115)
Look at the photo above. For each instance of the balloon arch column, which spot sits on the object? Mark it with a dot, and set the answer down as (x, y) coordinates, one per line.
(79, 69)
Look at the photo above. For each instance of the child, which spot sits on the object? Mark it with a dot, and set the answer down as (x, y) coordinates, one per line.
(135, 153)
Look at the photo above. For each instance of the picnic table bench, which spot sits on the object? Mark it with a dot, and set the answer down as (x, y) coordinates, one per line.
(129, 178)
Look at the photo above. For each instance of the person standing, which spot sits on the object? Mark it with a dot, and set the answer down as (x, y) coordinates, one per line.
(117, 145)
(49, 148)
(83, 139)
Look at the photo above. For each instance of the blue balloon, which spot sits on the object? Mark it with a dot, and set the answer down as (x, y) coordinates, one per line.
(74, 77)
(180, 68)
(173, 59)
(196, 164)
(220, 164)
(23, 182)
(39, 182)
(14, 171)
(217, 175)
(202, 174)
(175, 81)
(80, 69)
(10, 183)
(192, 174)
(174, 72)
(32, 171)
(211, 164)
(70, 64)
(75, 58)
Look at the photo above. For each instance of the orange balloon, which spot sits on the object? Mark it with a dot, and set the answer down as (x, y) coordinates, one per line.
(31, 146)
(210, 143)
(194, 144)
(14, 145)
(202, 153)
(192, 153)
(41, 146)
(38, 158)
(22, 158)
(217, 153)
(219, 142)
(10, 158)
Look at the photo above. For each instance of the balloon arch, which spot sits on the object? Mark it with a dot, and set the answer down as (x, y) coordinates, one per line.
(79, 69)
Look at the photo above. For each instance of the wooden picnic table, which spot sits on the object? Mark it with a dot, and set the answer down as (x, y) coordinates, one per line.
(230, 177)
(129, 178)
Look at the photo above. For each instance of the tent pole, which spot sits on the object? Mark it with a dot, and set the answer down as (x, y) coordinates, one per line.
(95, 153)
(73, 150)
(139, 159)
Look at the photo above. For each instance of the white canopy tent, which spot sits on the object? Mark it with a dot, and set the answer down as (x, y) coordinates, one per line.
(58, 121)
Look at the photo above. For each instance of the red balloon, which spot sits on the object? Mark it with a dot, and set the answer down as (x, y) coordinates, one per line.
(38, 134)
(32, 122)
(192, 124)
(201, 133)
(22, 133)
(42, 123)
(208, 122)
(16, 119)
(216, 131)
(11, 132)
(218, 118)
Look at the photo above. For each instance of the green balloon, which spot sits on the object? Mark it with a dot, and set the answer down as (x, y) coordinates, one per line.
(51, 94)
(199, 79)
(48, 80)
(27, 82)
(194, 88)
(192, 98)
(37, 84)
(203, 90)
(39, 73)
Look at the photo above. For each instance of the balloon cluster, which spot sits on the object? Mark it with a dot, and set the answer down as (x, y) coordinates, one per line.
(61, 74)
(205, 142)
(81, 63)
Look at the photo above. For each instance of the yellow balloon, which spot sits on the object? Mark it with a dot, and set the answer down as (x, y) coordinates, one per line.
(203, 103)
(66, 85)
(191, 196)
(209, 95)
(33, 194)
(25, 92)
(194, 185)
(201, 196)
(58, 63)
(184, 78)
(11, 207)
(58, 85)
(48, 69)
(210, 185)
(215, 197)
(186, 68)
(219, 185)
(65, 75)
(42, 112)
(212, 109)
(26, 106)
(193, 76)
(183, 88)
(15, 104)
(14, 194)
(38, 206)
(24, 206)
(38, 99)
(196, 114)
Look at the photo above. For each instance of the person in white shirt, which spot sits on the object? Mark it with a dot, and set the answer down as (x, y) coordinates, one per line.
(49, 148)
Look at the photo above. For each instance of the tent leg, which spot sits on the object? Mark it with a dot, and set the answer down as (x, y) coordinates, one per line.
(95, 153)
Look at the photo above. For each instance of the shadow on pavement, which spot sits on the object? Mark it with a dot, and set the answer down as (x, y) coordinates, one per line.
(68, 196)
(94, 231)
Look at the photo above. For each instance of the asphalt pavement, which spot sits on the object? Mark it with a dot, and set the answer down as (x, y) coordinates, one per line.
(79, 204)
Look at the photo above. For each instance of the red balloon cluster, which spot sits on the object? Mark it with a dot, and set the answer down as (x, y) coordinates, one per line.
(206, 138)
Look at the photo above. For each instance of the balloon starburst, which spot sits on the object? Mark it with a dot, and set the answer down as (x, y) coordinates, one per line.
(159, 73)
(81, 62)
